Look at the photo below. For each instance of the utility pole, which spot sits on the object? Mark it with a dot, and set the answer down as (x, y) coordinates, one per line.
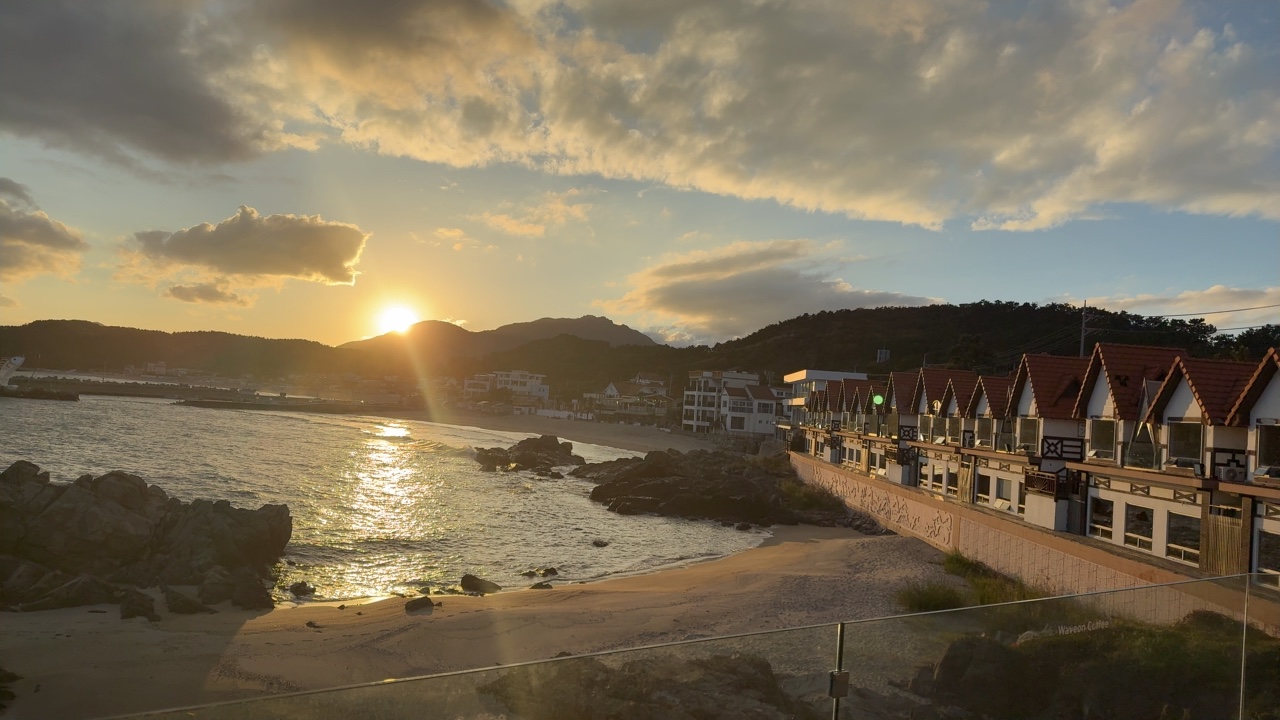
(1084, 316)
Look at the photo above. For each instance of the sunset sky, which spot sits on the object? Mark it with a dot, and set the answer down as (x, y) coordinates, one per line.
(694, 168)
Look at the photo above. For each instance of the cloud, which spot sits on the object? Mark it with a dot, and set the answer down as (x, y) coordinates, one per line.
(31, 242)
(911, 111)
(712, 295)
(252, 247)
(7, 302)
(206, 293)
(113, 78)
(1201, 302)
(554, 210)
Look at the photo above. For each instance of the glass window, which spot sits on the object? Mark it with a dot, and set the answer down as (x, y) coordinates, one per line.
(1184, 538)
(984, 488)
(953, 430)
(953, 483)
(938, 480)
(984, 436)
(1185, 440)
(1269, 554)
(926, 426)
(1138, 526)
(1268, 445)
(1004, 489)
(1101, 517)
(1029, 434)
(1005, 436)
(1102, 439)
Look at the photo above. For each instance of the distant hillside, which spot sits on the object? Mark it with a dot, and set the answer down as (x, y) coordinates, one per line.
(983, 336)
(442, 340)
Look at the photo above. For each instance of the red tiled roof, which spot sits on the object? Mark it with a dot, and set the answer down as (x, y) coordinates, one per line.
(1261, 378)
(855, 393)
(1126, 369)
(900, 384)
(1215, 384)
(761, 392)
(960, 386)
(933, 382)
(737, 392)
(996, 388)
(1055, 383)
(817, 401)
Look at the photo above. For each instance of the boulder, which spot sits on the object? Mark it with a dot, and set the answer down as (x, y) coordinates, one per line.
(538, 454)
(421, 603)
(181, 604)
(600, 543)
(80, 590)
(135, 603)
(302, 589)
(250, 594)
(217, 586)
(541, 586)
(471, 583)
(530, 573)
(548, 572)
(975, 673)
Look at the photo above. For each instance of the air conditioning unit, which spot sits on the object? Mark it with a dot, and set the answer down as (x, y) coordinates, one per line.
(1229, 473)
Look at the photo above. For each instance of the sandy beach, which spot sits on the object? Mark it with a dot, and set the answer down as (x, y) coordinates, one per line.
(640, 438)
(84, 663)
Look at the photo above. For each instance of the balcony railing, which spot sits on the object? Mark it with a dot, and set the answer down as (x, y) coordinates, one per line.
(1045, 483)
(1141, 455)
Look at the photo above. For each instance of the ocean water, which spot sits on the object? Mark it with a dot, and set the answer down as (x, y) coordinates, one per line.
(379, 506)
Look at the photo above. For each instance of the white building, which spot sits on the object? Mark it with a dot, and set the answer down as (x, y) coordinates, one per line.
(522, 383)
(751, 410)
(702, 397)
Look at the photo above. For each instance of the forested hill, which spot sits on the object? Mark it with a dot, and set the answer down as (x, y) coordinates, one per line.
(984, 336)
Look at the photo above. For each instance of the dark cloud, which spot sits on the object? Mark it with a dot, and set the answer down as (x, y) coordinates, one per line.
(708, 296)
(208, 293)
(112, 77)
(31, 242)
(252, 247)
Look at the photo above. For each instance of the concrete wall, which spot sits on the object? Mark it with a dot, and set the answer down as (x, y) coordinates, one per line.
(1056, 562)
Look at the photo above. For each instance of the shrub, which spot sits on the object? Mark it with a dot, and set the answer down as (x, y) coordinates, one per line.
(930, 597)
(800, 496)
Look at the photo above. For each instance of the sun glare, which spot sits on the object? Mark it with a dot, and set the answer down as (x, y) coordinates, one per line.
(396, 318)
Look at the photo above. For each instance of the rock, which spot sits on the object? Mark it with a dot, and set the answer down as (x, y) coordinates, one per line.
(539, 454)
(422, 603)
(541, 586)
(313, 624)
(181, 604)
(529, 573)
(471, 583)
(743, 526)
(555, 475)
(302, 589)
(217, 586)
(250, 594)
(24, 471)
(600, 543)
(135, 603)
(548, 572)
(975, 673)
(81, 590)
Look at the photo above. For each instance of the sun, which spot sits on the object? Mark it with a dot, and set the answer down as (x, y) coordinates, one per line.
(396, 318)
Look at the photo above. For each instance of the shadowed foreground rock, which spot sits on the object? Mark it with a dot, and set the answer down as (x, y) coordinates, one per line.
(716, 485)
(539, 454)
(738, 687)
(75, 544)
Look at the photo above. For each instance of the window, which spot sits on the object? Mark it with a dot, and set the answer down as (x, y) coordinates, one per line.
(953, 483)
(984, 488)
(1101, 518)
(1102, 439)
(937, 485)
(926, 428)
(764, 408)
(1004, 439)
(1138, 525)
(1185, 440)
(1184, 538)
(1004, 489)
(923, 477)
(953, 430)
(1029, 434)
(985, 435)
(1268, 445)
(737, 423)
(1269, 555)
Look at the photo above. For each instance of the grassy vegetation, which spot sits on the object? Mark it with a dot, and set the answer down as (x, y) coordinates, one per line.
(801, 496)
(931, 596)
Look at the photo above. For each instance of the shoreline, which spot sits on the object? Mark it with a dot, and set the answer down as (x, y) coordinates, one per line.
(93, 664)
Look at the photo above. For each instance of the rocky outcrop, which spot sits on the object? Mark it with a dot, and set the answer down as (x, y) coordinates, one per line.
(117, 530)
(538, 454)
(716, 485)
(471, 583)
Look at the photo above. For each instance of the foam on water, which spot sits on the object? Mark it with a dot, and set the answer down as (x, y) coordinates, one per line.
(379, 506)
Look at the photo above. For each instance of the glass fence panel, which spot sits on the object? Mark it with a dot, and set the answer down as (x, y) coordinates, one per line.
(1157, 652)
(783, 674)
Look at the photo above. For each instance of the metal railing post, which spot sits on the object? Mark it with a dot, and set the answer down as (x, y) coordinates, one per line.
(838, 684)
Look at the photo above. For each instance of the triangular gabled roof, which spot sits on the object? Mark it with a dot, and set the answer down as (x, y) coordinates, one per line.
(855, 393)
(932, 384)
(817, 401)
(1216, 385)
(960, 386)
(901, 384)
(1055, 383)
(1125, 368)
(1258, 382)
(996, 388)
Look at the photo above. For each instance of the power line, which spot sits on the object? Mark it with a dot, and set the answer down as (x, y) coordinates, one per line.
(1247, 327)
(1216, 312)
